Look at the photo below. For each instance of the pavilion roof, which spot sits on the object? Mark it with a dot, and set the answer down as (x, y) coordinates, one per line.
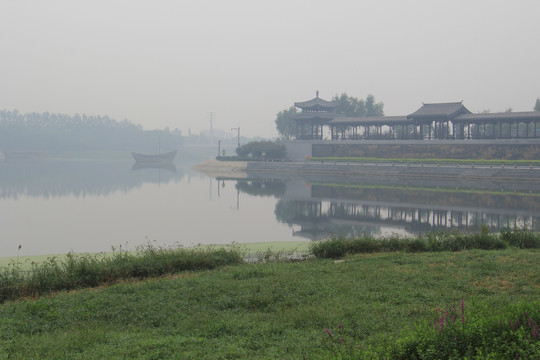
(316, 104)
(369, 120)
(440, 110)
(494, 117)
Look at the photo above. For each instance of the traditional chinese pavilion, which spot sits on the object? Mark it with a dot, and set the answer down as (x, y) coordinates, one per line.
(440, 121)
(315, 114)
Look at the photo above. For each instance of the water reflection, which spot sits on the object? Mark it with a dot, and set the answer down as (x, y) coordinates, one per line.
(86, 206)
(78, 178)
(346, 206)
(168, 166)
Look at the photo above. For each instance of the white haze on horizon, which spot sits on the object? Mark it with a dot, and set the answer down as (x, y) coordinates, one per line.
(169, 63)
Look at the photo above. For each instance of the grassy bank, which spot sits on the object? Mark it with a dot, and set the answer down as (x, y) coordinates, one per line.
(274, 310)
(76, 271)
(256, 249)
(391, 302)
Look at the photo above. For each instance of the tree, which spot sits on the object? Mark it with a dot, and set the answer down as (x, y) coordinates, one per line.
(285, 125)
(270, 150)
(537, 105)
(373, 108)
(351, 106)
(348, 106)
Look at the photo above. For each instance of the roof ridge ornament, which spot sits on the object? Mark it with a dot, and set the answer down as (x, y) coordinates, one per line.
(317, 93)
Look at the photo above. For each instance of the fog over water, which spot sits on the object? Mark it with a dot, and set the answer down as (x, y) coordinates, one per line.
(170, 63)
(128, 208)
(53, 207)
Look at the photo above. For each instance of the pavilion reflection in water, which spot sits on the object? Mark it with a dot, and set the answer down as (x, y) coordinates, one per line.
(316, 209)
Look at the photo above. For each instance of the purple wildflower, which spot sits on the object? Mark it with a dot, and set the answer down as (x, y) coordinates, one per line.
(328, 332)
(463, 311)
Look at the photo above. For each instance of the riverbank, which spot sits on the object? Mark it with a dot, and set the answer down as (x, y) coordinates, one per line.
(250, 251)
(229, 169)
(360, 307)
(464, 170)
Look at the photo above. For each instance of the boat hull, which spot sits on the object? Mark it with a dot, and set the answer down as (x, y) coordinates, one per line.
(154, 158)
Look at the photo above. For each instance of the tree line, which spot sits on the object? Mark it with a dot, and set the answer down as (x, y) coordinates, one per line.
(50, 132)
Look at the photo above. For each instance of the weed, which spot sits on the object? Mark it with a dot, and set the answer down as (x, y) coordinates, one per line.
(481, 335)
(523, 238)
(82, 271)
(336, 247)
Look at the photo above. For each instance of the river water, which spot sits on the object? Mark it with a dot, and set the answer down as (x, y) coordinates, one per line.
(53, 207)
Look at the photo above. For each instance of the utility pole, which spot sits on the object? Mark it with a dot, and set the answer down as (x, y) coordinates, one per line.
(211, 117)
(237, 129)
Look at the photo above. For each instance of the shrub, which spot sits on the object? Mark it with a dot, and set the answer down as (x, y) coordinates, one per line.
(331, 248)
(432, 242)
(510, 333)
(256, 149)
(523, 238)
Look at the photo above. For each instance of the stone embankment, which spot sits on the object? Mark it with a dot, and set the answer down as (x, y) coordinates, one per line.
(462, 171)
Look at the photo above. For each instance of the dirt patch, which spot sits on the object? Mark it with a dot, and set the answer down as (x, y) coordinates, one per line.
(228, 169)
(495, 283)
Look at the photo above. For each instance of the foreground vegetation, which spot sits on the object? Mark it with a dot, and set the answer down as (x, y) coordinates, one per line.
(432, 242)
(384, 303)
(90, 270)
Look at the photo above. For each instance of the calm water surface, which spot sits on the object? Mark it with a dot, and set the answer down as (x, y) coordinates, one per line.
(55, 207)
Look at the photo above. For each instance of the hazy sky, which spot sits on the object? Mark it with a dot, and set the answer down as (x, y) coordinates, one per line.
(170, 63)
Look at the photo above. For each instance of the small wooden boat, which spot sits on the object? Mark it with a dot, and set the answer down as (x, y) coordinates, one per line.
(154, 158)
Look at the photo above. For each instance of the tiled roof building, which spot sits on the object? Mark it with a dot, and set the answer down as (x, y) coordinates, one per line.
(446, 121)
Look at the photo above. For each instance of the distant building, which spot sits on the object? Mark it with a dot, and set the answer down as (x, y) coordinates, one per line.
(436, 121)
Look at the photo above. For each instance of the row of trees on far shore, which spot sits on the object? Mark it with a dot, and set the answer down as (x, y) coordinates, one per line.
(48, 132)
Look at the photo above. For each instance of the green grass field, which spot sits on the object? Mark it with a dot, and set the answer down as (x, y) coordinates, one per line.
(272, 310)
